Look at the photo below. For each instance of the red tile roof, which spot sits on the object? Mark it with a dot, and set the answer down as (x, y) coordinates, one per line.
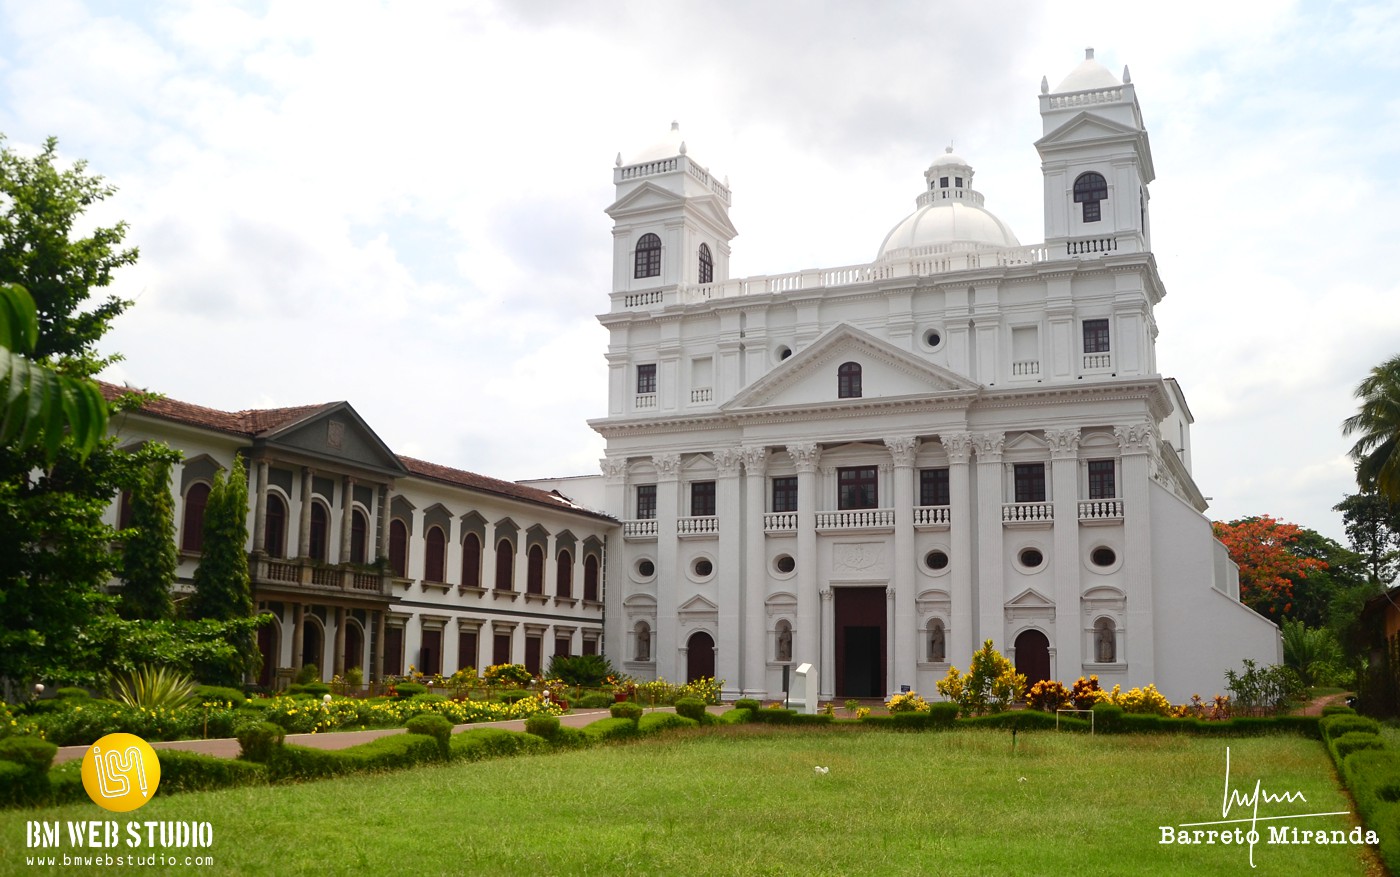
(256, 421)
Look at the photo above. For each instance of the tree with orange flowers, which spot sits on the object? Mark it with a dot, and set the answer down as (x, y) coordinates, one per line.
(1263, 547)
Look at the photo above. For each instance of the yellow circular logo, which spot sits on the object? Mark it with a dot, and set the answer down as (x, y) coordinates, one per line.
(121, 772)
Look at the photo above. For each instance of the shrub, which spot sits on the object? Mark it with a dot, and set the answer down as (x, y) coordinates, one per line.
(24, 769)
(422, 704)
(260, 741)
(691, 708)
(653, 722)
(542, 726)
(308, 673)
(312, 689)
(1263, 690)
(217, 694)
(150, 688)
(191, 772)
(747, 703)
(735, 716)
(626, 710)
(583, 670)
(1337, 709)
(434, 726)
(1142, 701)
(991, 684)
(16, 785)
(1373, 777)
(775, 715)
(1335, 726)
(615, 728)
(1355, 741)
(1108, 718)
(1048, 695)
(405, 690)
(507, 674)
(594, 700)
(514, 696)
(72, 693)
(941, 715)
(906, 702)
(479, 743)
(385, 753)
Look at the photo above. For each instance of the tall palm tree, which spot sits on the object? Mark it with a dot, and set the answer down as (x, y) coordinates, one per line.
(39, 406)
(1377, 451)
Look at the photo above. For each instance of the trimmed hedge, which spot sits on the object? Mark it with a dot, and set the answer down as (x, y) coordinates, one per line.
(1335, 726)
(775, 715)
(481, 743)
(409, 689)
(691, 708)
(626, 710)
(653, 722)
(182, 771)
(747, 703)
(593, 701)
(1373, 778)
(436, 727)
(1337, 709)
(546, 727)
(514, 695)
(386, 753)
(615, 728)
(260, 741)
(24, 769)
(217, 693)
(736, 716)
(1354, 741)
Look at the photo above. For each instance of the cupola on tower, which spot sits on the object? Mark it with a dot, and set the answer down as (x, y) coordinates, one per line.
(670, 220)
(1096, 161)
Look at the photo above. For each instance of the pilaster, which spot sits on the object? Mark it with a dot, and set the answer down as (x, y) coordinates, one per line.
(902, 670)
(989, 595)
(667, 561)
(961, 635)
(1137, 444)
(806, 456)
(1064, 491)
(755, 663)
(729, 569)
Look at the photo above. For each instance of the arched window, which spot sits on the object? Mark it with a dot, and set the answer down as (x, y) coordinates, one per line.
(648, 256)
(398, 548)
(707, 265)
(471, 561)
(642, 650)
(783, 644)
(1089, 190)
(192, 530)
(320, 522)
(1105, 647)
(848, 380)
(435, 561)
(937, 641)
(564, 575)
(275, 523)
(359, 536)
(534, 570)
(590, 578)
(505, 565)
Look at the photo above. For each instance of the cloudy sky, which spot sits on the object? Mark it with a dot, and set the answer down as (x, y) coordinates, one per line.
(401, 204)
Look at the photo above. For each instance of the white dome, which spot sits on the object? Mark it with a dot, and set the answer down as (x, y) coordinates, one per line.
(669, 145)
(949, 223)
(1089, 75)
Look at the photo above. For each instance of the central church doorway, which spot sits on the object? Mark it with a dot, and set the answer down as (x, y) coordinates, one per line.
(860, 642)
(699, 657)
(1033, 656)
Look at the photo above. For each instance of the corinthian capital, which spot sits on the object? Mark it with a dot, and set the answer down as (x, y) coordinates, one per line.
(668, 466)
(755, 461)
(805, 456)
(727, 461)
(1134, 438)
(1064, 443)
(614, 468)
(958, 446)
(903, 449)
(989, 446)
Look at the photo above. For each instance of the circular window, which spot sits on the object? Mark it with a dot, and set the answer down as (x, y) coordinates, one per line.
(936, 560)
(1103, 557)
(933, 338)
(703, 567)
(784, 352)
(1031, 558)
(785, 563)
(646, 569)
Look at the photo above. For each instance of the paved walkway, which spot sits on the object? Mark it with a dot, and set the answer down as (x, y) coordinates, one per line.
(227, 747)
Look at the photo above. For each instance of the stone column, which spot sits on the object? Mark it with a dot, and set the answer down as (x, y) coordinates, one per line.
(380, 625)
(827, 665)
(729, 570)
(347, 514)
(614, 621)
(1137, 443)
(260, 508)
(891, 621)
(903, 670)
(338, 659)
(1066, 644)
(806, 457)
(298, 619)
(381, 525)
(755, 659)
(963, 516)
(304, 532)
(668, 565)
(988, 596)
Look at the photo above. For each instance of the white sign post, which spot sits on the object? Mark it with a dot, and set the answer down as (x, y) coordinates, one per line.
(809, 692)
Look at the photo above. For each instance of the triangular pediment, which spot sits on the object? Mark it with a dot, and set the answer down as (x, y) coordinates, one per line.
(643, 199)
(809, 377)
(335, 433)
(697, 605)
(1086, 126)
(1030, 598)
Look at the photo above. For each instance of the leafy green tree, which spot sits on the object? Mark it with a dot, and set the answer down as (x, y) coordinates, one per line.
(55, 549)
(222, 588)
(149, 559)
(1377, 449)
(1311, 652)
(1372, 523)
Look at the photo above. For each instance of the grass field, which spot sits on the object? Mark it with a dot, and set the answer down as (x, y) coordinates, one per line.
(747, 801)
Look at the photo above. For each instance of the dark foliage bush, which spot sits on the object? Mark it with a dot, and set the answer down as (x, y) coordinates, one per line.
(691, 708)
(218, 694)
(409, 689)
(191, 772)
(941, 715)
(435, 726)
(1021, 720)
(310, 689)
(1337, 709)
(80, 693)
(1336, 726)
(1108, 719)
(626, 710)
(479, 743)
(24, 769)
(1354, 741)
(1373, 777)
(594, 700)
(775, 715)
(584, 670)
(747, 703)
(260, 741)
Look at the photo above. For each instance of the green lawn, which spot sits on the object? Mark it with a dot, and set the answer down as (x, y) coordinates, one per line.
(747, 801)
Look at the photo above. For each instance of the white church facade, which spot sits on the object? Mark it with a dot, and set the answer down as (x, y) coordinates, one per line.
(873, 468)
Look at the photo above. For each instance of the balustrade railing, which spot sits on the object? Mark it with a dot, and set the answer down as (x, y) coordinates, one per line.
(702, 394)
(855, 519)
(645, 401)
(780, 522)
(1025, 367)
(932, 515)
(639, 528)
(706, 525)
(1098, 360)
(1100, 509)
(318, 575)
(1027, 512)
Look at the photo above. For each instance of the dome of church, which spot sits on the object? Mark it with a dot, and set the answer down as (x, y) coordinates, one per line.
(949, 212)
(1089, 75)
(669, 145)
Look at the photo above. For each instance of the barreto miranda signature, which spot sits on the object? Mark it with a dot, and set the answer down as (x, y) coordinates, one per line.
(1246, 830)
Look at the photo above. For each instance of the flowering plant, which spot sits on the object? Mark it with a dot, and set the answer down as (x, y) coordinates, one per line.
(907, 702)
